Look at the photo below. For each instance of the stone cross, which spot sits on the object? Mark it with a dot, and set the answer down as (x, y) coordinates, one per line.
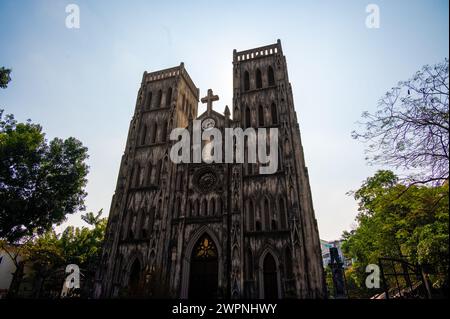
(209, 99)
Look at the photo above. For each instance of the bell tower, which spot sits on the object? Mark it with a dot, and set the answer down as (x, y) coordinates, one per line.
(144, 195)
(281, 240)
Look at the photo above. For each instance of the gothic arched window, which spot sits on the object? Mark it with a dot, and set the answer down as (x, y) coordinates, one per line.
(260, 115)
(169, 97)
(153, 133)
(196, 208)
(218, 207)
(135, 278)
(273, 109)
(248, 118)
(249, 265)
(246, 81)
(137, 176)
(258, 79)
(131, 226)
(159, 99)
(266, 214)
(204, 211)
(280, 158)
(270, 76)
(212, 207)
(282, 211)
(144, 135)
(149, 173)
(181, 180)
(258, 224)
(250, 216)
(163, 136)
(188, 212)
(158, 172)
(274, 224)
(148, 102)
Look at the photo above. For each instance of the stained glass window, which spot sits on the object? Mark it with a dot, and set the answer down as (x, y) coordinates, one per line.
(205, 248)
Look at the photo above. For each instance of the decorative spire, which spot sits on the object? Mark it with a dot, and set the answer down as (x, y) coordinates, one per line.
(227, 112)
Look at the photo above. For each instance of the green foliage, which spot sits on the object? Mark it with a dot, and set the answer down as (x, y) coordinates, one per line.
(40, 182)
(397, 221)
(329, 281)
(4, 77)
(81, 246)
(355, 277)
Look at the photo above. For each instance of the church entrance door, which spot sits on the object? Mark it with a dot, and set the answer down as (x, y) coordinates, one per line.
(203, 279)
(270, 278)
(135, 279)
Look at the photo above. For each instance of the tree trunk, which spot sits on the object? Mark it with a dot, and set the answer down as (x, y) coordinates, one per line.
(13, 290)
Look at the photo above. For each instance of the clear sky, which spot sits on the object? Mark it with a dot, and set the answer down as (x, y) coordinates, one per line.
(83, 82)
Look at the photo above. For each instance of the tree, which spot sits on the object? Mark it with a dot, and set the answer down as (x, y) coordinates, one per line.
(410, 129)
(399, 221)
(4, 77)
(81, 246)
(40, 182)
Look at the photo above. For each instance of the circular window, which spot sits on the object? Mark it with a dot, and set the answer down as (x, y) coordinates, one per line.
(205, 180)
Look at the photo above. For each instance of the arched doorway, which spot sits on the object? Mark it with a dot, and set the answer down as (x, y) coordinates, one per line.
(203, 277)
(134, 282)
(270, 277)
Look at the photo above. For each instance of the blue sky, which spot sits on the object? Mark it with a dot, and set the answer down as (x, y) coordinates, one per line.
(83, 82)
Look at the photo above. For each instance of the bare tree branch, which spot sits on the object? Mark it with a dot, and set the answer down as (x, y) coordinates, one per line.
(410, 128)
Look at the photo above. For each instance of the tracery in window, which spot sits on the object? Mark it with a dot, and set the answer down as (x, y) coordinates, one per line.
(205, 248)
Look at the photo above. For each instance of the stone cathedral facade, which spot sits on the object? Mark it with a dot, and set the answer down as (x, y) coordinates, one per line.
(194, 230)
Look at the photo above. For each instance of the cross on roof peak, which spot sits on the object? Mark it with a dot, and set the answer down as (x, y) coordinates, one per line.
(209, 99)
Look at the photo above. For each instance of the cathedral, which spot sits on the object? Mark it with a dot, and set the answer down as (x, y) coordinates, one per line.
(212, 230)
